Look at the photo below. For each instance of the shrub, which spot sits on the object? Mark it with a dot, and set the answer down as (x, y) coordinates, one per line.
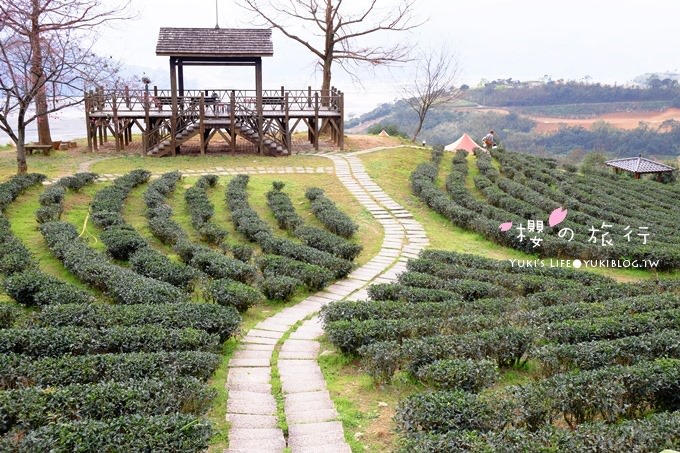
(242, 252)
(442, 411)
(175, 432)
(231, 293)
(11, 189)
(202, 210)
(8, 314)
(211, 318)
(464, 374)
(381, 360)
(314, 277)
(328, 213)
(30, 408)
(122, 241)
(279, 287)
(14, 256)
(153, 264)
(122, 284)
(218, 266)
(35, 288)
(53, 342)
(23, 371)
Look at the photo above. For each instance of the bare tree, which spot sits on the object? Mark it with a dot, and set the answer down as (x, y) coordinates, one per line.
(334, 34)
(66, 69)
(435, 76)
(37, 21)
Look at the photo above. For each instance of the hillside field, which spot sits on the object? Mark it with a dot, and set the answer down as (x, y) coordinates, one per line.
(384, 298)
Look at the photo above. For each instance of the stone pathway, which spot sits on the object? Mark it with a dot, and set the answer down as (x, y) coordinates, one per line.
(312, 419)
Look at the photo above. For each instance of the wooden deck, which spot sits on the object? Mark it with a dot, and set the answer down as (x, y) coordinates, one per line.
(213, 114)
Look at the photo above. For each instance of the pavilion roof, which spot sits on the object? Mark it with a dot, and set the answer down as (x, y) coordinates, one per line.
(214, 42)
(639, 165)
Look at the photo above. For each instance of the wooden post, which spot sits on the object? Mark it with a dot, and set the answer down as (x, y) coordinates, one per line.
(316, 121)
(341, 128)
(286, 119)
(309, 96)
(116, 126)
(147, 123)
(88, 126)
(201, 124)
(173, 119)
(258, 104)
(232, 120)
(102, 127)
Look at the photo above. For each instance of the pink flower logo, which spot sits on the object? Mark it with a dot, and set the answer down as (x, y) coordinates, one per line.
(557, 216)
(505, 226)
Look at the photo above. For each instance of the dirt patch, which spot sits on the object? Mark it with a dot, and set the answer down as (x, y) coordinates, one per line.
(356, 142)
(621, 120)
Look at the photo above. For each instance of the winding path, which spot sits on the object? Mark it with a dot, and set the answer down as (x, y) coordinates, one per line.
(286, 344)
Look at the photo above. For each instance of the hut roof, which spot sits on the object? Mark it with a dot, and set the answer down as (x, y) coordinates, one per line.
(215, 42)
(639, 165)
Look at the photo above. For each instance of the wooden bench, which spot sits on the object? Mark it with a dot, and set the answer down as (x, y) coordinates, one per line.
(274, 101)
(45, 149)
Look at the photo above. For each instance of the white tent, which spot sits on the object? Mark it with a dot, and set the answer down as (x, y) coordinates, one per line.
(464, 142)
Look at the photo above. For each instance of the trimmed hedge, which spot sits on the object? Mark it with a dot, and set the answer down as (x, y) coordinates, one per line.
(218, 266)
(212, 318)
(230, 293)
(8, 315)
(134, 433)
(314, 277)
(279, 287)
(464, 374)
(652, 434)
(289, 220)
(446, 410)
(153, 264)
(56, 341)
(31, 408)
(16, 185)
(202, 210)
(17, 371)
(123, 285)
(329, 214)
(559, 358)
(35, 288)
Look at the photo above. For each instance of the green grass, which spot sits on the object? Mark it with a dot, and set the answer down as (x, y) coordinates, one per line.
(366, 410)
(392, 169)
(125, 163)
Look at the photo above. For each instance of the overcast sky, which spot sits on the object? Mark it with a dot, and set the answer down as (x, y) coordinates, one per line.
(609, 41)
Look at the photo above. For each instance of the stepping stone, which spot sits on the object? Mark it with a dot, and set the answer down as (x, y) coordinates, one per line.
(270, 444)
(311, 416)
(261, 363)
(306, 429)
(291, 385)
(256, 347)
(333, 448)
(252, 407)
(315, 440)
(246, 386)
(252, 421)
(300, 345)
(264, 333)
(260, 375)
(258, 340)
(251, 354)
(302, 406)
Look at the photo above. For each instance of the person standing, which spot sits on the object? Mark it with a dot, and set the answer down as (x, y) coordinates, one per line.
(489, 140)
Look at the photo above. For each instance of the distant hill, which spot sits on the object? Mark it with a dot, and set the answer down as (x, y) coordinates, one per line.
(518, 112)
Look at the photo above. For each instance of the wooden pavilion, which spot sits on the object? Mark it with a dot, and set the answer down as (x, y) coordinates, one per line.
(263, 119)
(639, 166)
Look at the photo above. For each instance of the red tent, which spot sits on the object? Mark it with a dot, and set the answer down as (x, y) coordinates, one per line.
(464, 142)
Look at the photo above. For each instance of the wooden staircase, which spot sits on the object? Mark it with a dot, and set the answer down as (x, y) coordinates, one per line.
(165, 147)
(271, 146)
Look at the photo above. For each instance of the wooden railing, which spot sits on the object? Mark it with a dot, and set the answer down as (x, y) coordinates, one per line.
(141, 101)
